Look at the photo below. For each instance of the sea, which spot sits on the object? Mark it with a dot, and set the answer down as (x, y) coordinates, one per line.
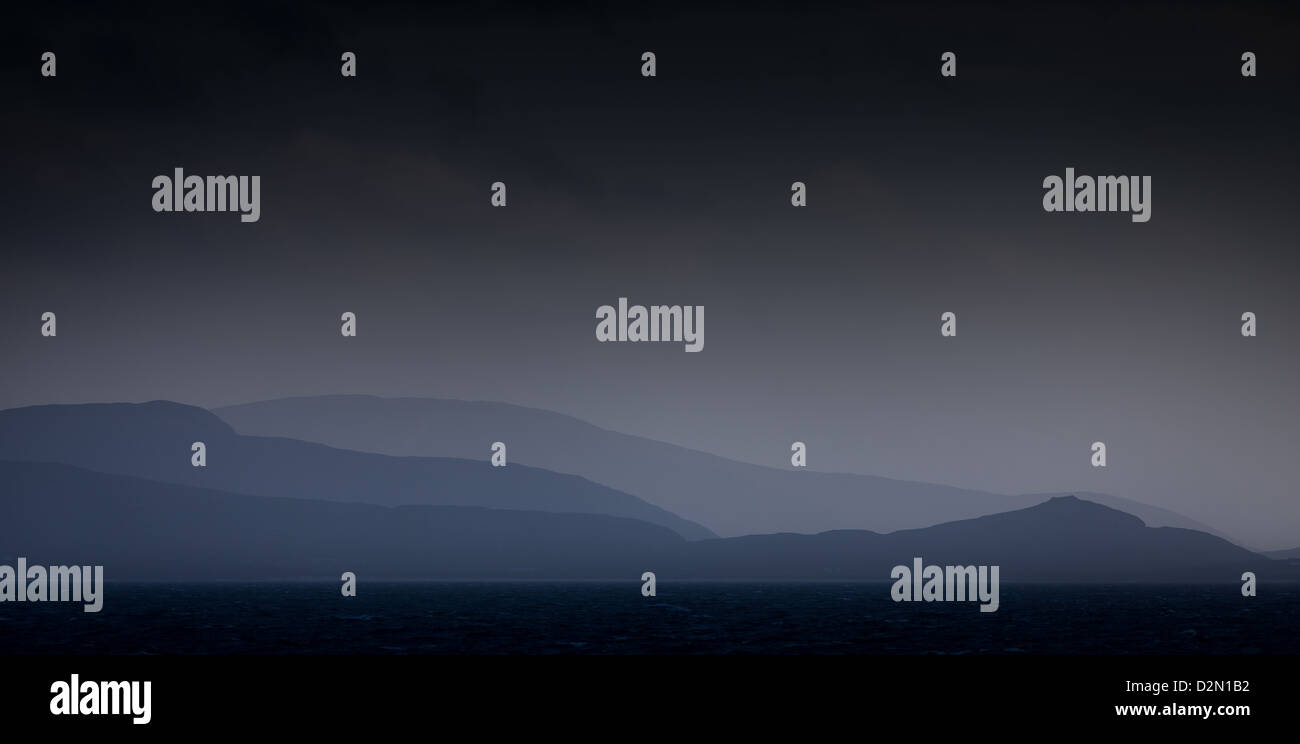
(541, 618)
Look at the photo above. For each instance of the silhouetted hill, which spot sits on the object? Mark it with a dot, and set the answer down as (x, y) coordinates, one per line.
(1152, 516)
(152, 440)
(1293, 553)
(1064, 539)
(729, 497)
(148, 530)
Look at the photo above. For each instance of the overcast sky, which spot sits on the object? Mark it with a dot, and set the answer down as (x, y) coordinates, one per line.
(822, 323)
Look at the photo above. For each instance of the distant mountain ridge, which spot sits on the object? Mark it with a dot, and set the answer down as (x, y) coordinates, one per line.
(148, 530)
(142, 530)
(730, 497)
(152, 441)
(1064, 539)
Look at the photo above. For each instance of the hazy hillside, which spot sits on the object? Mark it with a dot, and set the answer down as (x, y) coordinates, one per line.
(1065, 539)
(152, 440)
(140, 529)
(729, 497)
(146, 530)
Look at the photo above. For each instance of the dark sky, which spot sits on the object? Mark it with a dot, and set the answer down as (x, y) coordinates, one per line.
(821, 324)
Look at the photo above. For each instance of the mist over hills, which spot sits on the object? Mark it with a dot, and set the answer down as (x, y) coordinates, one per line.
(152, 531)
(147, 530)
(113, 484)
(729, 497)
(152, 441)
(1064, 539)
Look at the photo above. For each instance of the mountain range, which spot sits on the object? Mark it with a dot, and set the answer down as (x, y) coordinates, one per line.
(728, 497)
(148, 530)
(114, 485)
(153, 441)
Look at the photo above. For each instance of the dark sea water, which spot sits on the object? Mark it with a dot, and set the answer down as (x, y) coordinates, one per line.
(691, 618)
